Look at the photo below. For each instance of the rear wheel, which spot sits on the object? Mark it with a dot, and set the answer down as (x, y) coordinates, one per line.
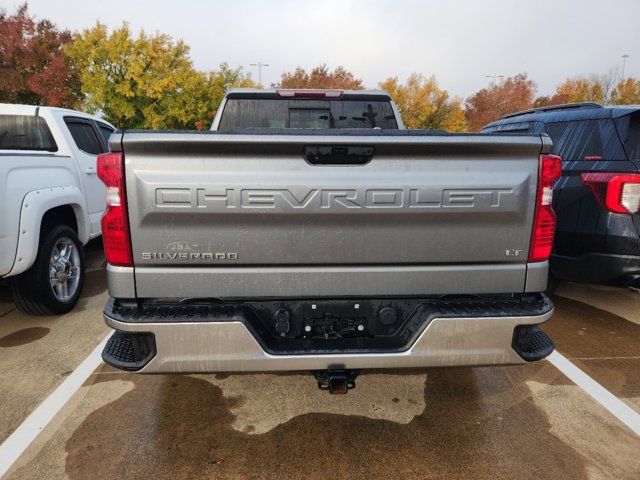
(54, 282)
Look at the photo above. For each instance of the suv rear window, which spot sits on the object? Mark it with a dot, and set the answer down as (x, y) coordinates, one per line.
(26, 132)
(576, 140)
(629, 130)
(303, 113)
(522, 127)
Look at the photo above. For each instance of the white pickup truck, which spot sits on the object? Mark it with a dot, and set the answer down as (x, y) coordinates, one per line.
(51, 202)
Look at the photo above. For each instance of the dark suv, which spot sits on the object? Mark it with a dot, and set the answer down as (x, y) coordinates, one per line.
(597, 200)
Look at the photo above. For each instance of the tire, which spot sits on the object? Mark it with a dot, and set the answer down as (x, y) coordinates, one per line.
(53, 284)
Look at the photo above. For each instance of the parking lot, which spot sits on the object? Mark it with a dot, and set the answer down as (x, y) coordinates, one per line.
(526, 421)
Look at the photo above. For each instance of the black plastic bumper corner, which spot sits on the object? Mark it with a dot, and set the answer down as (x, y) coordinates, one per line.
(129, 351)
(531, 343)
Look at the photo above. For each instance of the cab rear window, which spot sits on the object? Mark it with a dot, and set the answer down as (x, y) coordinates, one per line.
(26, 132)
(302, 113)
(84, 135)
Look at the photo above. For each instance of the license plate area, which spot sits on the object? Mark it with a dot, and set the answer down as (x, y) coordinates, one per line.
(348, 320)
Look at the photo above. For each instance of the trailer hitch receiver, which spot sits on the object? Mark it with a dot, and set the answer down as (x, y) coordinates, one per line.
(336, 381)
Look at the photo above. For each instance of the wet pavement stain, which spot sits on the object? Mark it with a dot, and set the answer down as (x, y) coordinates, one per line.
(24, 336)
(583, 331)
(620, 376)
(180, 427)
(604, 345)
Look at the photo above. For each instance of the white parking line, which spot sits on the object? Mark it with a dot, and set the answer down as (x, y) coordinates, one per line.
(604, 397)
(18, 441)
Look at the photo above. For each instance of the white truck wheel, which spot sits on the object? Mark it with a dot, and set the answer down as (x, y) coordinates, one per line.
(54, 282)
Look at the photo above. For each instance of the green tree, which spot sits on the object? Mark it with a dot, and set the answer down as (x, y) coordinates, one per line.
(216, 85)
(147, 81)
(320, 77)
(511, 95)
(34, 68)
(424, 105)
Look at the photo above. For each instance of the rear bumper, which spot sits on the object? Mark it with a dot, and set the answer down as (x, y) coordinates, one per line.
(218, 345)
(599, 268)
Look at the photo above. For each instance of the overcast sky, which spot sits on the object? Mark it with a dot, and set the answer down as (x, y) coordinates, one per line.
(460, 42)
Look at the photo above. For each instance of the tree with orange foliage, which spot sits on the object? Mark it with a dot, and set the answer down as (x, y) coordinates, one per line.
(320, 77)
(511, 95)
(627, 92)
(596, 88)
(34, 68)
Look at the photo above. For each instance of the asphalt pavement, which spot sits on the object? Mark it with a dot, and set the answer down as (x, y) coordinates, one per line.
(529, 421)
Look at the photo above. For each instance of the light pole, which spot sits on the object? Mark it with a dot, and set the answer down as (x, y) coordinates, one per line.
(259, 65)
(624, 63)
(495, 76)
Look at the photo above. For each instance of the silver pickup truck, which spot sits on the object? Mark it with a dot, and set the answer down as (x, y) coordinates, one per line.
(312, 232)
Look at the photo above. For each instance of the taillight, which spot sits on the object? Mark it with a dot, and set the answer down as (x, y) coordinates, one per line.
(115, 223)
(544, 221)
(619, 192)
(310, 93)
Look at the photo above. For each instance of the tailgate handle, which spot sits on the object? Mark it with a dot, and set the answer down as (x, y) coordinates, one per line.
(338, 154)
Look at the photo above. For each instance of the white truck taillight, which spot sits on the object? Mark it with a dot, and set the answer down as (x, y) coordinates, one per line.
(544, 221)
(115, 223)
(618, 192)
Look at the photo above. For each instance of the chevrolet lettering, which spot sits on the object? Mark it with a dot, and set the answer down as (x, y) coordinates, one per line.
(255, 198)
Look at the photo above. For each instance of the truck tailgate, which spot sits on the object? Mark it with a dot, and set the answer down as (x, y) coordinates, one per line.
(244, 215)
